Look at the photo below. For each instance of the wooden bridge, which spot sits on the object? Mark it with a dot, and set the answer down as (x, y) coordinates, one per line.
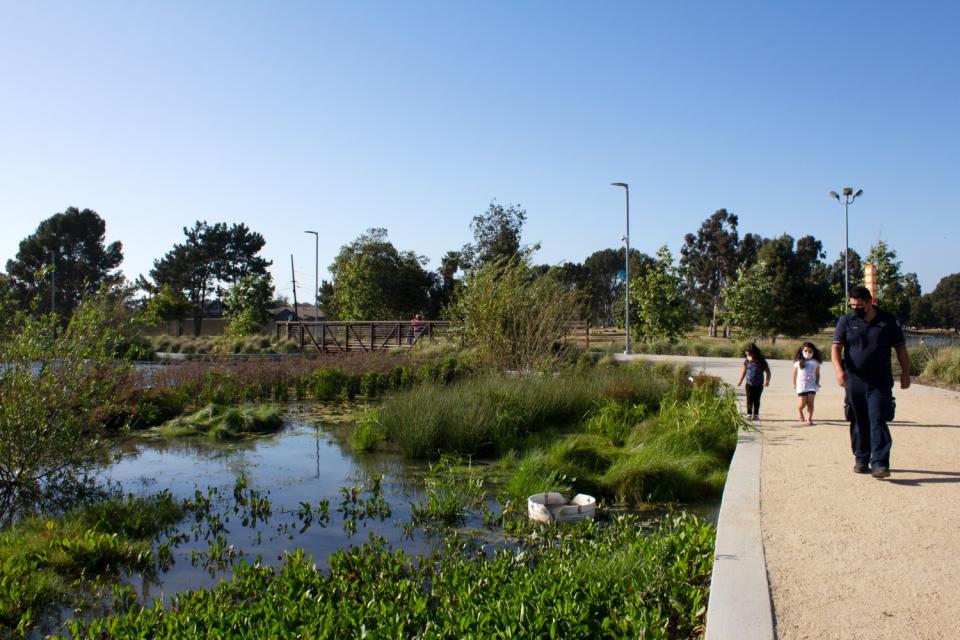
(376, 335)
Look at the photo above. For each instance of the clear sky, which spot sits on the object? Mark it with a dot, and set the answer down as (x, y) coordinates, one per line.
(340, 116)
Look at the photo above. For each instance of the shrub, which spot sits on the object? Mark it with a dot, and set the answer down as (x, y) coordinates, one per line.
(944, 366)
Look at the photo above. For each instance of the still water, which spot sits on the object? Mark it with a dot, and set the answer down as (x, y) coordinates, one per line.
(304, 463)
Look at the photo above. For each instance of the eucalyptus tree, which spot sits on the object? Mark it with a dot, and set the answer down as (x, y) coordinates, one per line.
(710, 259)
(496, 235)
(944, 302)
(68, 249)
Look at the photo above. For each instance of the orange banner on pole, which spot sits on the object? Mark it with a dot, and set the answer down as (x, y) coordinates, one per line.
(870, 279)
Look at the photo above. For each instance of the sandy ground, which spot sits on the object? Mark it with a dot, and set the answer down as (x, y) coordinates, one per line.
(850, 556)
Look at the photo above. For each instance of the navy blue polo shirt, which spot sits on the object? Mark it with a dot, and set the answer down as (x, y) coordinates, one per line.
(867, 345)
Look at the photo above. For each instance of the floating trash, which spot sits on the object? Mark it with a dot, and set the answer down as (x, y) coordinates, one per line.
(553, 507)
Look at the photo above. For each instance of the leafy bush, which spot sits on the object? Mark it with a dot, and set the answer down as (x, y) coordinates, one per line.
(944, 366)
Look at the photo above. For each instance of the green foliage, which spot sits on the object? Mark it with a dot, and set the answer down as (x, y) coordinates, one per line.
(374, 281)
(593, 580)
(165, 304)
(247, 304)
(711, 258)
(48, 561)
(451, 488)
(944, 366)
(367, 432)
(799, 300)
(68, 249)
(746, 301)
(493, 414)
(221, 423)
(209, 256)
(513, 318)
(944, 302)
(615, 420)
(663, 311)
(496, 234)
(51, 380)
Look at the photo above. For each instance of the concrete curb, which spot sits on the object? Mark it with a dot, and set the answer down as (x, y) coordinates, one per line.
(740, 606)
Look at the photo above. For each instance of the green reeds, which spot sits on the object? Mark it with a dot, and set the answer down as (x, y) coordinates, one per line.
(944, 366)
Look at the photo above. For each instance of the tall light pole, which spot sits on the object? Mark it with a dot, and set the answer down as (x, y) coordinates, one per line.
(316, 274)
(848, 197)
(626, 271)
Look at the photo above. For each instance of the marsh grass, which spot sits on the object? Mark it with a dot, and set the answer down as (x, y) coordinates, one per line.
(491, 414)
(220, 423)
(452, 487)
(944, 366)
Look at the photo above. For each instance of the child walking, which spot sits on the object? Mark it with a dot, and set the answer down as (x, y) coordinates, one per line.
(755, 369)
(806, 378)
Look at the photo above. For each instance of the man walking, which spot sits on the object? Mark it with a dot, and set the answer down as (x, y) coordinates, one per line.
(861, 356)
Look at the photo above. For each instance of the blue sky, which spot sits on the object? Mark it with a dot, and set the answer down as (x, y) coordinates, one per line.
(341, 116)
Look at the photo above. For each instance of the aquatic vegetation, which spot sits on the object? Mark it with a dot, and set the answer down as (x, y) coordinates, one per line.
(62, 560)
(592, 580)
(220, 423)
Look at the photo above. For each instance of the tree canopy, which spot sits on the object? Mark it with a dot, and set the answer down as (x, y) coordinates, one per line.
(663, 309)
(710, 260)
(372, 280)
(211, 256)
(68, 250)
(799, 300)
(496, 235)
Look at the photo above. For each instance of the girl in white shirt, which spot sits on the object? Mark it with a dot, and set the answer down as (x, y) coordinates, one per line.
(806, 378)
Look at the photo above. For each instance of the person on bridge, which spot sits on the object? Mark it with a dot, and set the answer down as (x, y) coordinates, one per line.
(755, 369)
(861, 356)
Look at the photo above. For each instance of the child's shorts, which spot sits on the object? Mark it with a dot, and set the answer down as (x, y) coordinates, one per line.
(807, 393)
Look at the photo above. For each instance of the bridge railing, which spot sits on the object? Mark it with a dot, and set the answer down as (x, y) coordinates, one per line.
(375, 335)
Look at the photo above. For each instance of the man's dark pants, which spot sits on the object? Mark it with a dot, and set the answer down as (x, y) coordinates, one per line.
(869, 434)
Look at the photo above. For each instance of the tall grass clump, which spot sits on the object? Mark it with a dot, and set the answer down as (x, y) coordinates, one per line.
(220, 423)
(491, 414)
(682, 453)
(944, 366)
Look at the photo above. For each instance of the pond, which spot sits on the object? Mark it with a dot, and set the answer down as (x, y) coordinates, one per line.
(304, 463)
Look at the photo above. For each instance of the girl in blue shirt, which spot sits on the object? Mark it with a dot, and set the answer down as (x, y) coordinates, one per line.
(756, 372)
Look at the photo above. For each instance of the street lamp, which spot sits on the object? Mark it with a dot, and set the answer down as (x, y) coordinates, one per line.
(626, 271)
(316, 276)
(848, 197)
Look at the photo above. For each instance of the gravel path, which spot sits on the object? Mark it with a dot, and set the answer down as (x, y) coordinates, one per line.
(849, 556)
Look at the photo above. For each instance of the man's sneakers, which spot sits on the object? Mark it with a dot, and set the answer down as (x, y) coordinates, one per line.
(861, 467)
(880, 471)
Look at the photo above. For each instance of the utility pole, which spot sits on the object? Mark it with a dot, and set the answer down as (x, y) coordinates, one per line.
(53, 282)
(316, 273)
(293, 276)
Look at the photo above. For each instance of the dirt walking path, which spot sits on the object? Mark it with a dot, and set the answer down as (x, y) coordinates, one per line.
(849, 556)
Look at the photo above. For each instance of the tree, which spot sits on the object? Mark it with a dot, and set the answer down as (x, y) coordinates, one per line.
(747, 299)
(944, 301)
(606, 290)
(496, 235)
(891, 288)
(800, 298)
(836, 275)
(165, 305)
(374, 281)
(51, 380)
(663, 308)
(710, 260)
(512, 318)
(247, 304)
(211, 256)
(72, 245)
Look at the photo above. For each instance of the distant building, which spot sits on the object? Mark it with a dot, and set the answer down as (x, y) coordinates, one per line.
(306, 312)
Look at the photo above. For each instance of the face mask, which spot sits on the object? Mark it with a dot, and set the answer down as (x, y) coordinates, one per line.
(807, 355)
(750, 358)
(860, 312)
